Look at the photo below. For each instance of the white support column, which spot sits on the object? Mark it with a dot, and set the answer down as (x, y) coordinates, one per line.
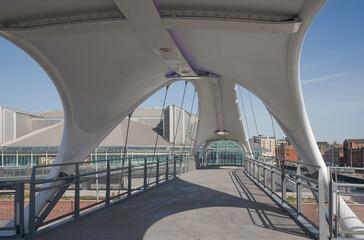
(17, 158)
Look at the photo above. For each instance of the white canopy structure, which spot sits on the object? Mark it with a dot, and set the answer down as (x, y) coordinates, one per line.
(106, 57)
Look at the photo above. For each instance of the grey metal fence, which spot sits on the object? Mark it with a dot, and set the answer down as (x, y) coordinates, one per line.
(264, 173)
(16, 191)
(337, 190)
(114, 181)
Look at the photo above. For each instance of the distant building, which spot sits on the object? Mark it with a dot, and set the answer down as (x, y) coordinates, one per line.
(258, 138)
(334, 156)
(175, 124)
(287, 152)
(353, 153)
(16, 123)
(323, 146)
(270, 143)
(34, 138)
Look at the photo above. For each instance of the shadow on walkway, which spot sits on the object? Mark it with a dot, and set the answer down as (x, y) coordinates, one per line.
(203, 204)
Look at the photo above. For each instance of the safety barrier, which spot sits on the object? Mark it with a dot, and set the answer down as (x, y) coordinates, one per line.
(264, 173)
(337, 190)
(163, 169)
(16, 191)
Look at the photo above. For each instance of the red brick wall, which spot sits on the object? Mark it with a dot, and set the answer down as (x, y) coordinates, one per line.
(62, 207)
(311, 211)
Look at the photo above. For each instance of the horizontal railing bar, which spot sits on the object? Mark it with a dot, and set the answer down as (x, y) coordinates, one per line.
(350, 194)
(51, 187)
(92, 205)
(353, 185)
(7, 228)
(347, 168)
(56, 218)
(352, 232)
(290, 161)
(7, 193)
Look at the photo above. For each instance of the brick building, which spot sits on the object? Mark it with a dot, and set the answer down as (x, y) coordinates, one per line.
(287, 152)
(353, 153)
(323, 146)
(334, 155)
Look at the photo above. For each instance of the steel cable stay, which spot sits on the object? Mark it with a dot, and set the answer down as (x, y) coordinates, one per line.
(121, 182)
(194, 129)
(275, 137)
(255, 121)
(189, 120)
(160, 120)
(243, 107)
(179, 118)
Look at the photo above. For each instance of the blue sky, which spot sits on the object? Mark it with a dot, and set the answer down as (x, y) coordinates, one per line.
(332, 70)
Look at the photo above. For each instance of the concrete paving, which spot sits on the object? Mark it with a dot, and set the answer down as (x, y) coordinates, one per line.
(203, 204)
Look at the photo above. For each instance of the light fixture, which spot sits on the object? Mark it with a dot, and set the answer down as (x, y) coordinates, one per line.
(165, 50)
(222, 133)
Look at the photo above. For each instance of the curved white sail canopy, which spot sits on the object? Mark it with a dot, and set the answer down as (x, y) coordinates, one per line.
(106, 57)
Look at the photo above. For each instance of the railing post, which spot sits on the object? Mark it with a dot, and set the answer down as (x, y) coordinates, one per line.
(298, 190)
(167, 159)
(272, 181)
(145, 173)
(250, 167)
(19, 208)
(253, 169)
(157, 172)
(322, 207)
(129, 177)
(174, 165)
(265, 177)
(31, 223)
(76, 213)
(107, 201)
(284, 182)
(330, 204)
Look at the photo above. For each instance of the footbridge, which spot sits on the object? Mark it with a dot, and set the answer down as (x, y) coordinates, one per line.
(106, 57)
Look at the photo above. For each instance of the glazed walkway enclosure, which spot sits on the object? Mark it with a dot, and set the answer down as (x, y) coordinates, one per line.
(249, 201)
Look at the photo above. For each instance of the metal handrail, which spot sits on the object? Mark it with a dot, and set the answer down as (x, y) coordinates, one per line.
(62, 183)
(290, 161)
(253, 169)
(334, 202)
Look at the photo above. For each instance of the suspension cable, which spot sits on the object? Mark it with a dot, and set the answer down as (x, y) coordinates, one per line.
(195, 124)
(255, 122)
(189, 120)
(160, 120)
(179, 118)
(124, 152)
(242, 104)
(275, 138)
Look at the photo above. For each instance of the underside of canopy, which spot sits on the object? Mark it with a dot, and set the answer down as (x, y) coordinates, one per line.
(106, 57)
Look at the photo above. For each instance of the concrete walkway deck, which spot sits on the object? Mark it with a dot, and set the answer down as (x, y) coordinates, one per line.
(203, 204)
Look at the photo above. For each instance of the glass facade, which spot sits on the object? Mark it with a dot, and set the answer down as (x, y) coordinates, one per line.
(45, 156)
(218, 153)
(224, 153)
